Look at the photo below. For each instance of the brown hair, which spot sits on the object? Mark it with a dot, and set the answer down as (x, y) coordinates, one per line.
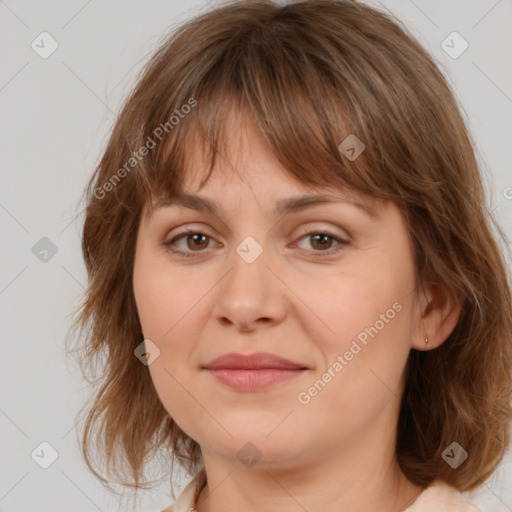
(310, 73)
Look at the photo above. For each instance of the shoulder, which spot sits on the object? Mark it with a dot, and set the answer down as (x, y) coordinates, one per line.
(442, 497)
(438, 496)
(185, 501)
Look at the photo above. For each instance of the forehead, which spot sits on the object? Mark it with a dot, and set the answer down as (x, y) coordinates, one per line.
(238, 142)
(217, 159)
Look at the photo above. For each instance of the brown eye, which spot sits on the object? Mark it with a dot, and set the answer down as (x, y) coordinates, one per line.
(321, 241)
(197, 241)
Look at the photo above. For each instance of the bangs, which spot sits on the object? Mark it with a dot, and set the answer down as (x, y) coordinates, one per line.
(302, 111)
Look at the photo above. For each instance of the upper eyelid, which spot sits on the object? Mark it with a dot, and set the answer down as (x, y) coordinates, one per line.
(304, 230)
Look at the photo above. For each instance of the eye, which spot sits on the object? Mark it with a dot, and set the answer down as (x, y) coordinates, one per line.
(195, 242)
(322, 240)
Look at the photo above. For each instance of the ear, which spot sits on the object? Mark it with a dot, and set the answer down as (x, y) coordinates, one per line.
(440, 310)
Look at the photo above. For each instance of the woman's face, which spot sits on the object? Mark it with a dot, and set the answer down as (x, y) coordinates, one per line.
(253, 278)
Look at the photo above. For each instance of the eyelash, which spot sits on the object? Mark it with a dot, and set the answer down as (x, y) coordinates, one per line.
(317, 254)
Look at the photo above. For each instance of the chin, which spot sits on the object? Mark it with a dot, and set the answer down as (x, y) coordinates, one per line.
(255, 449)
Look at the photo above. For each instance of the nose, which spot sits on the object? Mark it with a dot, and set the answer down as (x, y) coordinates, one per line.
(250, 296)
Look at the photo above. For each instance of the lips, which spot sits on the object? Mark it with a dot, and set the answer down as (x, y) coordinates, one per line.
(257, 361)
(253, 372)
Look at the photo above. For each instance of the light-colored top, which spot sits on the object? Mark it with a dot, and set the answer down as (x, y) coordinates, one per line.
(438, 497)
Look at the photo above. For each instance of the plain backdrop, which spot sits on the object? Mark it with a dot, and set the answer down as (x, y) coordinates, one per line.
(55, 117)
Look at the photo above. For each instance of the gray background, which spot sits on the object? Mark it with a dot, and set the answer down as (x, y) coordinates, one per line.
(56, 114)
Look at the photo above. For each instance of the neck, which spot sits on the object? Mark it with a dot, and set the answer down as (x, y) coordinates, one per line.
(357, 479)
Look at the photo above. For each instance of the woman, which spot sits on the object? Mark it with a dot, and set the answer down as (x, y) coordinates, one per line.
(293, 273)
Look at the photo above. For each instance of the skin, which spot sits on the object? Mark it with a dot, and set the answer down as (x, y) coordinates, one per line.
(336, 452)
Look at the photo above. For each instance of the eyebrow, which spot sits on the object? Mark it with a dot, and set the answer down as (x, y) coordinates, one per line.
(282, 206)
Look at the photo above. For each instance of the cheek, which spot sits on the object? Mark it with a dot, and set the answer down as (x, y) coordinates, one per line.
(164, 297)
(171, 313)
(348, 303)
(366, 314)
(169, 319)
